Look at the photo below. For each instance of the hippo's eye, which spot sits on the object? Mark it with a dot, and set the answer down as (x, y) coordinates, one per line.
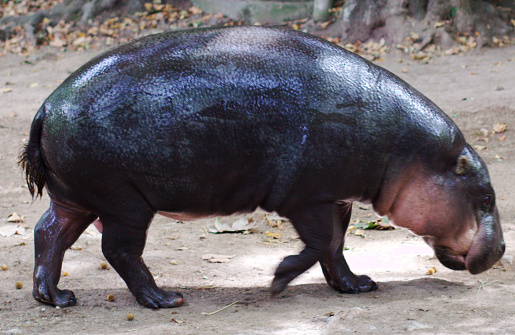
(487, 200)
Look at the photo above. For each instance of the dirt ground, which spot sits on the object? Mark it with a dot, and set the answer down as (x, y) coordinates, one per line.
(476, 89)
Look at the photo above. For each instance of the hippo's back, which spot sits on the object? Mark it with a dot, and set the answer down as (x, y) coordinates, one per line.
(174, 112)
(186, 112)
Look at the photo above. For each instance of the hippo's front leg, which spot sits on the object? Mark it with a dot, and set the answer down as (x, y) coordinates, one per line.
(335, 268)
(314, 226)
(55, 232)
(123, 241)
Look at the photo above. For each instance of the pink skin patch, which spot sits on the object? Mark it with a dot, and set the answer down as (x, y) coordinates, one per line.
(98, 225)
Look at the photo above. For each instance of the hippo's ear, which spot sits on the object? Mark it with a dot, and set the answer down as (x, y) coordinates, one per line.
(463, 165)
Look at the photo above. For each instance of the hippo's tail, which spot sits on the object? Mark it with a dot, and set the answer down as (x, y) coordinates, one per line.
(31, 159)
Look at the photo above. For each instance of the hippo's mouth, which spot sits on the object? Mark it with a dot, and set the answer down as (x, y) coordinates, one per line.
(472, 261)
(450, 260)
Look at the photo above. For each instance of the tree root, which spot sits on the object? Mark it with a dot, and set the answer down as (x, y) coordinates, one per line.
(434, 21)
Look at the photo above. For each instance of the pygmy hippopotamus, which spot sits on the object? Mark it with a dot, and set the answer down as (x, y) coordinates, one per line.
(211, 122)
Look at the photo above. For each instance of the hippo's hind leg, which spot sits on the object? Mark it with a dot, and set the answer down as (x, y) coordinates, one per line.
(123, 241)
(314, 226)
(56, 231)
(334, 265)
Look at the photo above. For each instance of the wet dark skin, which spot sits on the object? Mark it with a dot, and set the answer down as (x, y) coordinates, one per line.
(212, 122)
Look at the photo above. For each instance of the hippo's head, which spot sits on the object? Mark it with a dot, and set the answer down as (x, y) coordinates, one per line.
(453, 210)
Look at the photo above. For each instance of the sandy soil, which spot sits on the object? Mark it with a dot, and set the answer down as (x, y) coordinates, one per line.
(476, 89)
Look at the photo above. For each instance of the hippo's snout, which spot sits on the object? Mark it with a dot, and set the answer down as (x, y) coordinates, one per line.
(488, 245)
(479, 262)
(486, 249)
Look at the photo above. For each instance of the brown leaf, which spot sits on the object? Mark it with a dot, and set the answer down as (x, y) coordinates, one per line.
(15, 217)
(500, 127)
(273, 235)
(195, 10)
(149, 6)
(58, 43)
(324, 25)
(214, 258)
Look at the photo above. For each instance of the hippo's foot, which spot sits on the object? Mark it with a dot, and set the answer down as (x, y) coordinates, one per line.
(55, 232)
(284, 274)
(353, 284)
(123, 240)
(47, 294)
(336, 270)
(340, 277)
(158, 298)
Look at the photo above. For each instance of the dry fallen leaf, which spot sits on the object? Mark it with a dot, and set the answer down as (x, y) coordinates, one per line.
(502, 138)
(499, 158)
(273, 235)
(479, 147)
(482, 132)
(276, 224)
(15, 217)
(7, 90)
(324, 24)
(358, 232)
(500, 127)
(58, 42)
(242, 224)
(214, 258)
